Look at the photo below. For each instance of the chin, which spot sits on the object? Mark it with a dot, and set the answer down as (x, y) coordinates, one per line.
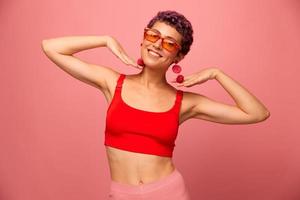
(151, 63)
(150, 60)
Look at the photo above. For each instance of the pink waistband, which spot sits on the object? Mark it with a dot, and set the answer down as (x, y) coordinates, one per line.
(147, 187)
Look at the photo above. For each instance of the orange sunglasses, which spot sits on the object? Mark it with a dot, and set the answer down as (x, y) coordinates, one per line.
(168, 43)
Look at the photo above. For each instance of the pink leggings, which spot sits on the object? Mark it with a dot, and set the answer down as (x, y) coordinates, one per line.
(171, 187)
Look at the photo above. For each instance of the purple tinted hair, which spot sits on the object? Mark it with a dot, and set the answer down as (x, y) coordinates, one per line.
(180, 23)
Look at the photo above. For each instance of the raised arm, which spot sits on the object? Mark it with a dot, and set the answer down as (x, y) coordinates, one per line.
(248, 108)
(60, 51)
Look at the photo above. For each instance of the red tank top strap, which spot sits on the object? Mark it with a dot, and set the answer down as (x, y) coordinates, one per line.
(179, 95)
(120, 81)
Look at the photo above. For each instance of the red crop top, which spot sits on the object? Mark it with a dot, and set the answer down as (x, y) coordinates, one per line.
(141, 131)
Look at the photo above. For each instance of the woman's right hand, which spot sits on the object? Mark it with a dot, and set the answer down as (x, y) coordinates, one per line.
(116, 48)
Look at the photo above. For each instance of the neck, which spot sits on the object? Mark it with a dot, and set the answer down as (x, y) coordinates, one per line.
(152, 79)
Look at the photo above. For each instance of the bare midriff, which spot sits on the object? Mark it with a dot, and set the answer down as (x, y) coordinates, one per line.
(137, 168)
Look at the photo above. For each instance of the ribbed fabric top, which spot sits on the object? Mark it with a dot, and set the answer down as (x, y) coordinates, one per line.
(141, 131)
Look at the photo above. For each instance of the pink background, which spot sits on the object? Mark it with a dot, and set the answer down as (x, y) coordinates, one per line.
(52, 125)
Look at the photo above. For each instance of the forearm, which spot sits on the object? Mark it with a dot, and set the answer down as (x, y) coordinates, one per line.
(243, 98)
(72, 44)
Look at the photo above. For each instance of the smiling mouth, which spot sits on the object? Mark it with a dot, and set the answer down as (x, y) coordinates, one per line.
(154, 53)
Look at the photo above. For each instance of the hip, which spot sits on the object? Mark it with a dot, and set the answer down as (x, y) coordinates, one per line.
(172, 186)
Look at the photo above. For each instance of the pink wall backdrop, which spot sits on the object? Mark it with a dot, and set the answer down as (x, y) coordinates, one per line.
(52, 125)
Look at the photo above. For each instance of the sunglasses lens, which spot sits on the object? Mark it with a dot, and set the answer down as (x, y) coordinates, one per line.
(169, 45)
(151, 36)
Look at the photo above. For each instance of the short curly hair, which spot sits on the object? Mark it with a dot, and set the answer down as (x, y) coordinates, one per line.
(180, 23)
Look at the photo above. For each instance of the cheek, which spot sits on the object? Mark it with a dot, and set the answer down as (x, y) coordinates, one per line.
(168, 60)
(144, 51)
(171, 57)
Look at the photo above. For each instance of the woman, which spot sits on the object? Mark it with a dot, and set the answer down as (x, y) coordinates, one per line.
(145, 110)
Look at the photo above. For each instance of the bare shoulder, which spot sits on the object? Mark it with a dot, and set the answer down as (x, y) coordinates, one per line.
(105, 75)
(111, 81)
(194, 99)
(189, 98)
(112, 78)
(189, 101)
(105, 78)
(190, 104)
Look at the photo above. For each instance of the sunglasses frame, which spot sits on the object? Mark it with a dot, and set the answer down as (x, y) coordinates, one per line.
(178, 46)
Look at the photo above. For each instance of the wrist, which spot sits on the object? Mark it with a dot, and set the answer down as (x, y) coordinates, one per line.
(106, 39)
(217, 72)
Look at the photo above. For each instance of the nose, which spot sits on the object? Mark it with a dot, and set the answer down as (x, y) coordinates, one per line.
(158, 43)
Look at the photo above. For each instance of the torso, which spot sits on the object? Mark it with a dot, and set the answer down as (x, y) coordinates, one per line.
(137, 168)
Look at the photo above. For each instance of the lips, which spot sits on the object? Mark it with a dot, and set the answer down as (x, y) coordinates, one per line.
(155, 52)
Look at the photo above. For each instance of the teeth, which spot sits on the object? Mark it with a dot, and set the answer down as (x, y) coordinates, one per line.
(153, 53)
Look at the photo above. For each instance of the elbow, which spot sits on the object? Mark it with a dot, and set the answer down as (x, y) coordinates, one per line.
(44, 45)
(267, 114)
(264, 116)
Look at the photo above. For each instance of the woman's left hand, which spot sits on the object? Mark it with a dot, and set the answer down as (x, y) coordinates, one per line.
(198, 77)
